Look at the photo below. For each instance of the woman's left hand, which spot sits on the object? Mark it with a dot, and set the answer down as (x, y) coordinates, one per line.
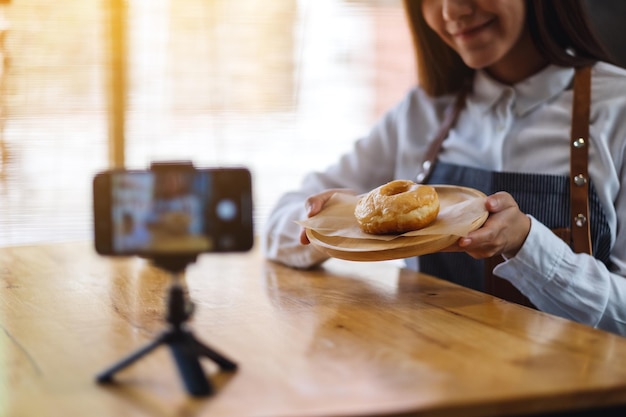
(503, 233)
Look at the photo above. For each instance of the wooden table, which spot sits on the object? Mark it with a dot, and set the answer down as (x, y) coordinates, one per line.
(348, 339)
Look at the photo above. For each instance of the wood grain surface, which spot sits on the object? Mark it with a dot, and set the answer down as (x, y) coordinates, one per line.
(347, 339)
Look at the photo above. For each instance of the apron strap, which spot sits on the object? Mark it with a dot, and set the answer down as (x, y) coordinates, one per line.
(430, 157)
(579, 161)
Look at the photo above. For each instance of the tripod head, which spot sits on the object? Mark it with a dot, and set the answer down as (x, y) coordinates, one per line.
(174, 264)
(179, 309)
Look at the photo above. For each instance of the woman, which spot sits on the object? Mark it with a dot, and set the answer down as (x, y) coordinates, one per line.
(498, 79)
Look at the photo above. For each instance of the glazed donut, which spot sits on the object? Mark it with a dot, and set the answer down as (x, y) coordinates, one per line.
(397, 207)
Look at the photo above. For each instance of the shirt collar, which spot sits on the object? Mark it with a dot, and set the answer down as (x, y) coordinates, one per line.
(529, 93)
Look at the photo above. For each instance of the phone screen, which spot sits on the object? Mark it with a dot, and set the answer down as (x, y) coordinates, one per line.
(173, 212)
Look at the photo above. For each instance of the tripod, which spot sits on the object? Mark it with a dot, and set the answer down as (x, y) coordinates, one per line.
(185, 348)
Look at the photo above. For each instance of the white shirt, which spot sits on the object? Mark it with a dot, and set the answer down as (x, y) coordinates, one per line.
(520, 128)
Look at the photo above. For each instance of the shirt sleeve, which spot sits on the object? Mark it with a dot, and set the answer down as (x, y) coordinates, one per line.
(281, 237)
(567, 284)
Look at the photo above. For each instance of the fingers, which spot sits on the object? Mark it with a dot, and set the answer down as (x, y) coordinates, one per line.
(315, 203)
(503, 233)
(304, 239)
(500, 201)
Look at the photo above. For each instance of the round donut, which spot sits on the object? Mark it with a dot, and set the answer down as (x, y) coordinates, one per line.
(397, 207)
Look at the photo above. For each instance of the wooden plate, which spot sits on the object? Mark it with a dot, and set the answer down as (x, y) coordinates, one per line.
(358, 249)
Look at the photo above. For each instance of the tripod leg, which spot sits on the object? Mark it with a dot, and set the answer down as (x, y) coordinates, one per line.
(107, 375)
(191, 371)
(201, 349)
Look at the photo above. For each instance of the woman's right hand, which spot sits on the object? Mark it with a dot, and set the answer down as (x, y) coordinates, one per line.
(315, 203)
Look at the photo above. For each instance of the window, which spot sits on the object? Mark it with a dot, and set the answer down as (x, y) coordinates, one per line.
(281, 87)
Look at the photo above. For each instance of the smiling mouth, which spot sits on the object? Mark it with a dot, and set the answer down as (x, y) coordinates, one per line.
(470, 32)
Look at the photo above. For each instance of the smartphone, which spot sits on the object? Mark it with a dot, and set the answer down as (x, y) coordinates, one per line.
(171, 210)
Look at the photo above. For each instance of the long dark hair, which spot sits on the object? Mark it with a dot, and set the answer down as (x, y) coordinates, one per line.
(560, 30)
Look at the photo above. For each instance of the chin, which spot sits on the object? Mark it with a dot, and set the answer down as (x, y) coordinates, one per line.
(479, 62)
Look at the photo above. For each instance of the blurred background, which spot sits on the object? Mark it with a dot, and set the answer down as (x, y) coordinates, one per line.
(282, 87)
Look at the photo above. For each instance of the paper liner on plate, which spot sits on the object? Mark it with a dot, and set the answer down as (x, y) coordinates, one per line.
(336, 231)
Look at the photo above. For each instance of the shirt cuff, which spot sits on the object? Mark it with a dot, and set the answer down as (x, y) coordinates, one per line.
(533, 266)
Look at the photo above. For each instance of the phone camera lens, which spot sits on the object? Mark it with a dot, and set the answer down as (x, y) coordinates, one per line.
(226, 210)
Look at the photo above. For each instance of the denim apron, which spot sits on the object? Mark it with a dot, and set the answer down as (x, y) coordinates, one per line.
(548, 198)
